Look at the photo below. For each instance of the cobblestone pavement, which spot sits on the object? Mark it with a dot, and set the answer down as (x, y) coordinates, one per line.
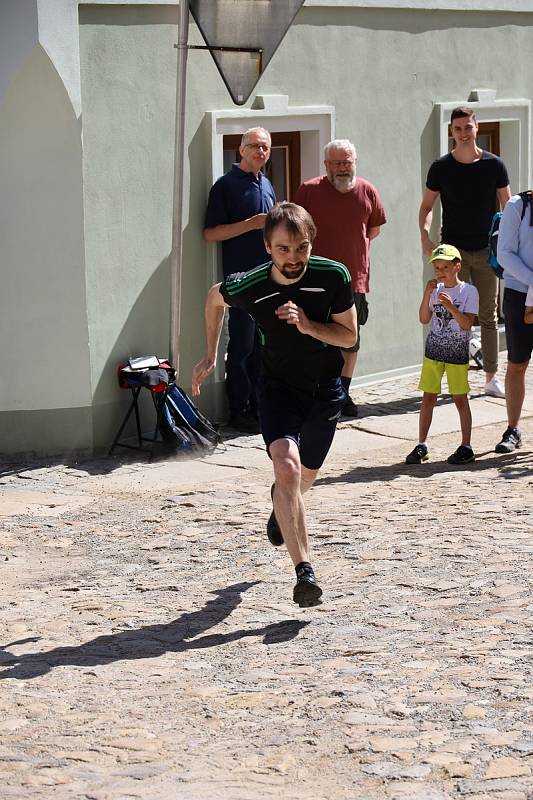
(150, 649)
(400, 395)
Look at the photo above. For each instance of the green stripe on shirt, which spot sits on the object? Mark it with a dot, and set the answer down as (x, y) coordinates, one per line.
(248, 279)
(317, 262)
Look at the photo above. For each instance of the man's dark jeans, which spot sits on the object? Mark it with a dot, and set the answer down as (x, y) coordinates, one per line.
(242, 362)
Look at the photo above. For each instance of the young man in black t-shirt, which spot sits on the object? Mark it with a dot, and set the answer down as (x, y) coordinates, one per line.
(304, 311)
(470, 182)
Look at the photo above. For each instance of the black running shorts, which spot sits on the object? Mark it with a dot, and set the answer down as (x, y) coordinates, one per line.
(519, 335)
(309, 419)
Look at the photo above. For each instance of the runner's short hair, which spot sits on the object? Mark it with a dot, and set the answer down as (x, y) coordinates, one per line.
(295, 218)
(462, 111)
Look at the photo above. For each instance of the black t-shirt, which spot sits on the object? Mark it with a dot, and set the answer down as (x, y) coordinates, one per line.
(286, 354)
(468, 197)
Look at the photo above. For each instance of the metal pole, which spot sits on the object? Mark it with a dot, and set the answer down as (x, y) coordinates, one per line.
(179, 154)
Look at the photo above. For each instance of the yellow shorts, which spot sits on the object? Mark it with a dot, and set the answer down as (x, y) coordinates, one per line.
(432, 372)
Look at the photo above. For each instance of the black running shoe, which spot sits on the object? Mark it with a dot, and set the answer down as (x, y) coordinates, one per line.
(306, 592)
(274, 533)
(417, 455)
(463, 455)
(511, 440)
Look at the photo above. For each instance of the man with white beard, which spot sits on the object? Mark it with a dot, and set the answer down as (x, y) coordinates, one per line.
(348, 213)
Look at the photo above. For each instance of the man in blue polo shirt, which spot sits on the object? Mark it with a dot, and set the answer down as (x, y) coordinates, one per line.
(236, 210)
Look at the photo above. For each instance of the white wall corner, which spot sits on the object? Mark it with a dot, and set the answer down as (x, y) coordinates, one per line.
(60, 37)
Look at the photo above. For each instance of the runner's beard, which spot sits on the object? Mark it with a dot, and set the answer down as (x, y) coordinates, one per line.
(292, 271)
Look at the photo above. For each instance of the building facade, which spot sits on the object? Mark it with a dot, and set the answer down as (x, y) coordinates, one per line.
(87, 119)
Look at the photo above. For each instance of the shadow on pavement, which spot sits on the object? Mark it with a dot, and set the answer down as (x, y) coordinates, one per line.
(513, 465)
(92, 465)
(95, 465)
(151, 641)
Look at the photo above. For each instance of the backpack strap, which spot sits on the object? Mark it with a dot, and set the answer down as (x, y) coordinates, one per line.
(526, 198)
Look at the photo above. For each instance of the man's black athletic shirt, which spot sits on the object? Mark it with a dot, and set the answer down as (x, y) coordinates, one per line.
(287, 355)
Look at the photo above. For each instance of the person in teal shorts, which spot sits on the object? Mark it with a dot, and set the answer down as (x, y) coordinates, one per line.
(450, 305)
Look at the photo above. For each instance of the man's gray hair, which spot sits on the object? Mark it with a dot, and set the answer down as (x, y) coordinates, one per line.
(246, 134)
(344, 144)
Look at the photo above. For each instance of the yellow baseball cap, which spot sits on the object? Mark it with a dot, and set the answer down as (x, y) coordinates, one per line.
(445, 251)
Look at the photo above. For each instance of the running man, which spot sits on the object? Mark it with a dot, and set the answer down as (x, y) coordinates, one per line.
(304, 310)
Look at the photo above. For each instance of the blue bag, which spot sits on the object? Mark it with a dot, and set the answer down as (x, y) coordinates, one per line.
(183, 427)
(494, 230)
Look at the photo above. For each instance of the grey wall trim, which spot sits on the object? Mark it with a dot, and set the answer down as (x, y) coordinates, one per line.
(425, 5)
(523, 6)
(51, 431)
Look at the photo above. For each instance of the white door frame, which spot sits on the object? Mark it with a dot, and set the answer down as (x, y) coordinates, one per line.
(316, 125)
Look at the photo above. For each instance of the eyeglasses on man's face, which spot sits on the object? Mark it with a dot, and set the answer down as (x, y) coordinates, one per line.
(257, 147)
(346, 162)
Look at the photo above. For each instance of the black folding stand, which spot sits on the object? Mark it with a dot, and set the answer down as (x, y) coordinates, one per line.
(134, 406)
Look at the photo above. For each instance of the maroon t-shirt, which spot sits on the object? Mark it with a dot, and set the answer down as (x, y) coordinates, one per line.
(342, 220)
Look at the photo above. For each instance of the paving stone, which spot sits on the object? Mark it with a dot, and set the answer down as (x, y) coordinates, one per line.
(391, 769)
(150, 647)
(380, 744)
(412, 791)
(493, 786)
(507, 767)
(471, 711)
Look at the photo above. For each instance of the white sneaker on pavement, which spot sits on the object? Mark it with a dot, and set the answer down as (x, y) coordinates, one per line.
(494, 388)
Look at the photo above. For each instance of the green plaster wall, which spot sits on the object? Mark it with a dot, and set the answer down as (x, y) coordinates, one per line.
(86, 203)
(44, 352)
(382, 70)
(49, 432)
(128, 79)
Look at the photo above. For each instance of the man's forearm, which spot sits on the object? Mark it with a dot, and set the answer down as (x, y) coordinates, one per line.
(425, 217)
(214, 319)
(332, 333)
(220, 233)
(513, 264)
(214, 316)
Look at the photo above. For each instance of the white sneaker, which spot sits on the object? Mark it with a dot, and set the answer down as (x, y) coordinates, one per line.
(494, 388)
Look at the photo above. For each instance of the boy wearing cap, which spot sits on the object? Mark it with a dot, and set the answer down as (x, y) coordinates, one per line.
(450, 305)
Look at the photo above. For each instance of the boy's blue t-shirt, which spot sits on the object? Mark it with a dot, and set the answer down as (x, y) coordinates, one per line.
(446, 340)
